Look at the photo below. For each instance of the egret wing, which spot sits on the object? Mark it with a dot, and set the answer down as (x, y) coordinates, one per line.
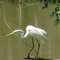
(41, 30)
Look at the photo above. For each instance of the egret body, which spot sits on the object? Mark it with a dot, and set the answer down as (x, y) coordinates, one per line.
(33, 32)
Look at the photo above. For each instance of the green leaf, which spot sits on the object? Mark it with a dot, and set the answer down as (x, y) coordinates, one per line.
(40, 0)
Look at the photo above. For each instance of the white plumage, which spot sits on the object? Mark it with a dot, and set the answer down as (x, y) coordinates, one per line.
(33, 32)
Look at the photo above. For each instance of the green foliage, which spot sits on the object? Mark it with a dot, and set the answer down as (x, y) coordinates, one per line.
(59, 4)
(48, 1)
(59, 1)
(46, 5)
(40, 0)
(53, 1)
(57, 14)
(45, 0)
(57, 21)
(52, 14)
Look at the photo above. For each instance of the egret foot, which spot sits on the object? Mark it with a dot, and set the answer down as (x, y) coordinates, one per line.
(28, 55)
(37, 58)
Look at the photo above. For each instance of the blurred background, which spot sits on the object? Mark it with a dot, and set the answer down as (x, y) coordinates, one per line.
(17, 15)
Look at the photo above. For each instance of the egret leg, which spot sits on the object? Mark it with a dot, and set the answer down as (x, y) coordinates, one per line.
(31, 48)
(38, 48)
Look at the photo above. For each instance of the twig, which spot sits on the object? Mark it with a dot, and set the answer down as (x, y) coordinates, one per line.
(11, 29)
(31, 3)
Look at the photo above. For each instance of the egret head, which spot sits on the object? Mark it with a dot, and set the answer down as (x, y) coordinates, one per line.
(17, 30)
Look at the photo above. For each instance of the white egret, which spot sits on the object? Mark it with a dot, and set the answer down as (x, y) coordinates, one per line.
(33, 32)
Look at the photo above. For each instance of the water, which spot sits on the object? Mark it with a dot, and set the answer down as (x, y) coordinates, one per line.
(12, 47)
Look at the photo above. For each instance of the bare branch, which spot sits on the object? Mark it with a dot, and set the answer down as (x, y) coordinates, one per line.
(30, 3)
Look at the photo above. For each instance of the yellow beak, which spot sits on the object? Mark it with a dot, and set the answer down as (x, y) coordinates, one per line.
(10, 34)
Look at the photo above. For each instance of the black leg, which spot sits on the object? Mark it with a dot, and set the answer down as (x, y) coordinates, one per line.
(38, 48)
(31, 48)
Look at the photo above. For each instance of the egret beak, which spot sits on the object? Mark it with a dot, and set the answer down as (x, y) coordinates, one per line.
(10, 34)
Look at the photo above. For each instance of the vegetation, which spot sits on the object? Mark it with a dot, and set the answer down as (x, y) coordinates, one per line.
(56, 12)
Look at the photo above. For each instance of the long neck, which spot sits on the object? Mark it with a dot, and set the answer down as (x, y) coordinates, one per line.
(22, 33)
(26, 34)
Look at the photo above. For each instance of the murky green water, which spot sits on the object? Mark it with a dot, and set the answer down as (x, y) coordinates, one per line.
(12, 47)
